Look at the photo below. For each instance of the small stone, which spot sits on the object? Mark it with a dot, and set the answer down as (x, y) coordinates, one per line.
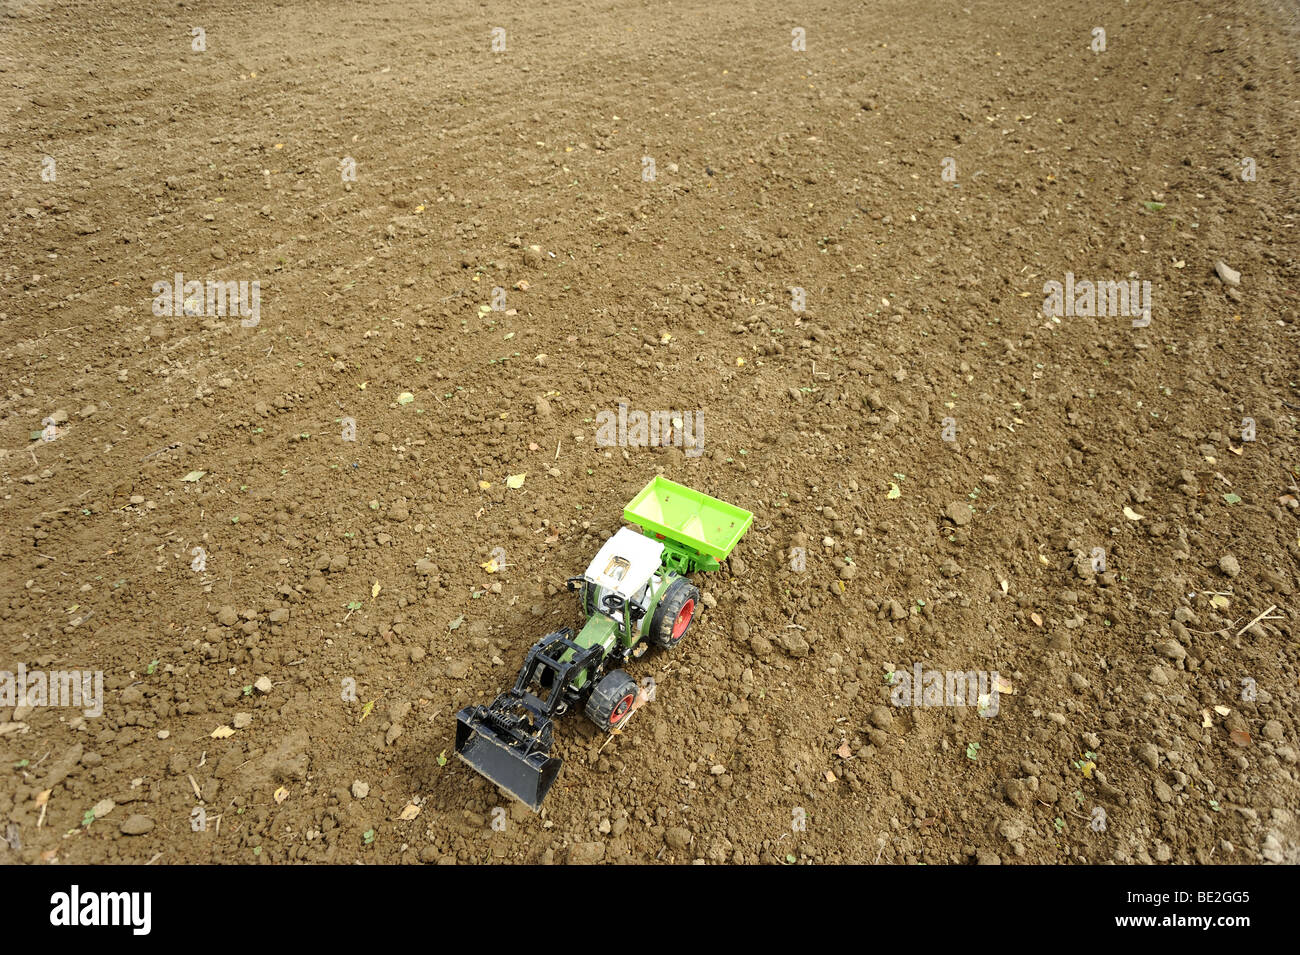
(1273, 730)
(1227, 275)
(1228, 564)
(458, 669)
(279, 615)
(242, 720)
(103, 808)
(227, 616)
(881, 718)
(263, 684)
(678, 837)
(1171, 649)
(1017, 792)
(794, 644)
(586, 853)
(1149, 754)
(425, 567)
(959, 512)
(360, 790)
(136, 825)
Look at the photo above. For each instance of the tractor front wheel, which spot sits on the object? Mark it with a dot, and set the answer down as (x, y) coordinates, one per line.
(674, 614)
(612, 700)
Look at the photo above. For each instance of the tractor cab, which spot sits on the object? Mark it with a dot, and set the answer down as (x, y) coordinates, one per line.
(620, 575)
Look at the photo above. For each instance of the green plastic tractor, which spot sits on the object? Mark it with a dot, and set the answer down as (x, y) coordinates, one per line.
(634, 593)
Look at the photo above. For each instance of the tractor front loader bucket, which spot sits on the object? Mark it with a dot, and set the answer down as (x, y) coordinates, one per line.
(509, 740)
(509, 748)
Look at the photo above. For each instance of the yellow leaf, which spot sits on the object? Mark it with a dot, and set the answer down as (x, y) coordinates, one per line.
(1036, 618)
(894, 491)
(1131, 514)
(365, 711)
(410, 812)
(740, 362)
(516, 481)
(1222, 710)
(490, 565)
(420, 207)
(374, 591)
(1206, 722)
(362, 386)
(43, 797)
(1220, 601)
(281, 795)
(405, 398)
(484, 485)
(222, 732)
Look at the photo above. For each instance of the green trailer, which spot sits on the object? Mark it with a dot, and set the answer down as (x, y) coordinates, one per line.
(634, 593)
(698, 531)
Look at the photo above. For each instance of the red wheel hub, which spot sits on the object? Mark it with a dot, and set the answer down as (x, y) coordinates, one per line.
(622, 708)
(683, 619)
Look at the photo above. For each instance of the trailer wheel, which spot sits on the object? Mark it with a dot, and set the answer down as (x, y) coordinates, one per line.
(612, 700)
(674, 614)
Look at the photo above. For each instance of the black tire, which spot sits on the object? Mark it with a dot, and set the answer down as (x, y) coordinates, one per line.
(612, 699)
(674, 614)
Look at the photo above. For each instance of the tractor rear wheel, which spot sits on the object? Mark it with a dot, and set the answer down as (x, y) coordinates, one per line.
(674, 614)
(612, 700)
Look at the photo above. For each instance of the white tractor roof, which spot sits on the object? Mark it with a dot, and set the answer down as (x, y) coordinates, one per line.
(626, 562)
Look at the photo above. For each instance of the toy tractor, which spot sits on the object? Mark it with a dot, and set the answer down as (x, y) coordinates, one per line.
(633, 593)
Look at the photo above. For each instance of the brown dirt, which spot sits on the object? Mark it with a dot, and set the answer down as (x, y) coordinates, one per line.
(775, 169)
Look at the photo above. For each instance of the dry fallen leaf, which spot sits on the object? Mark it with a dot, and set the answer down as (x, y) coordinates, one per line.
(1222, 710)
(281, 795)
(484, 485)
(1003, 685)
(1206, 722)
(374, 591)
(1131, 514)
(1036, 618)
(830, 776)
(844, 752)
(516, 481)
(1240, 737)
(43, 797)
(410, 812)
(490, 565)
(222, 732)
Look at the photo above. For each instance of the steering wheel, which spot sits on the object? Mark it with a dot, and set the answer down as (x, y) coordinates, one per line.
(612, 603)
